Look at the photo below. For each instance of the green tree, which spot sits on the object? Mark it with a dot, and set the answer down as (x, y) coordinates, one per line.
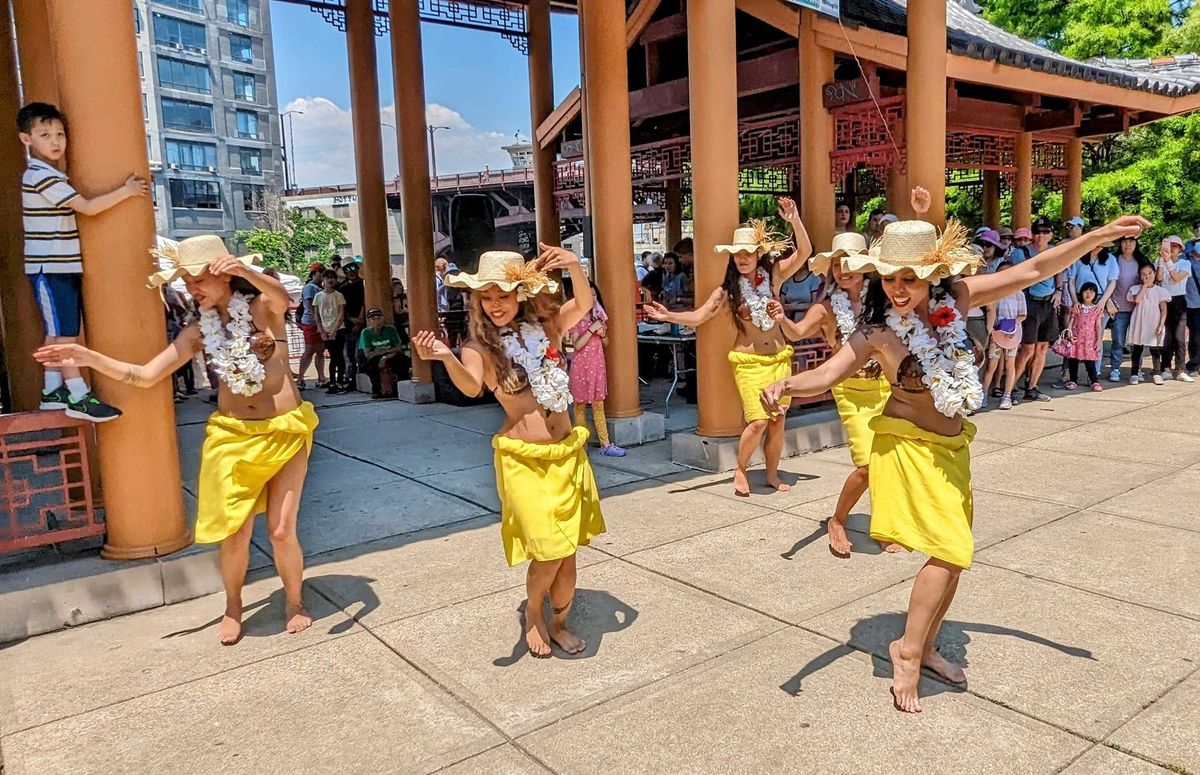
(290, 240)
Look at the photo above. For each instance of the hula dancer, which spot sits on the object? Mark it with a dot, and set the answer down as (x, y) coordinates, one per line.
(760, 354)
(550, 503)
(914, 326)
(256, 447)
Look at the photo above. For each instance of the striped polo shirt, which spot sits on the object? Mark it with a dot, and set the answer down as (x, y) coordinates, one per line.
(51, 236)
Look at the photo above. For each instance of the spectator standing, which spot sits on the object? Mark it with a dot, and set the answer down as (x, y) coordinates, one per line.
(330, 307)
(1147, 323)
(1173, 274)
(800, 291)
(1004, 321)
(1129, 263)
(874, 230)
(652, 281)
(1042, 300)
(672, 281)
(354, 292)
(643, 266)
(54, 256)
(1006, 241)
(1192, 299)
(382, 352)
(1073, 227)
(841, 219)
(314, 348)
(440, 267)
(589, 375)
(1099, 268)
(685, 251)
(335, 263)
(1086, 343)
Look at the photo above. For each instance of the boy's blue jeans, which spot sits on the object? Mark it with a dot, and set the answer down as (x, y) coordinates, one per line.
(1120, 328)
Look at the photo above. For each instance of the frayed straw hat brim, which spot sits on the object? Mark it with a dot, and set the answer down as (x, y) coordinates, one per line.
(166, 276)
(928, 272)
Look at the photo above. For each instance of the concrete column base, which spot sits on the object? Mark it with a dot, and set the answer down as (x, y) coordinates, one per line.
(809, 433)
(632, 431)
(413, 392)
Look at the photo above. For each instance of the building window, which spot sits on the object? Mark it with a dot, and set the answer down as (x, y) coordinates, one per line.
(241, 48)
(185, 76)
(195, 6)
(191, 156)
(239, 12)
(191, 116)
(247, 124)
(141, 66)
(145, 108)
(243, 86)
(195, 194)
(345, 249)
(250, 160)
(172, 32)
(341, 211)
(137, 20)
(253, 200)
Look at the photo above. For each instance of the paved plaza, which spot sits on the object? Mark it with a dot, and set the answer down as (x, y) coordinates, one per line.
(723, 636)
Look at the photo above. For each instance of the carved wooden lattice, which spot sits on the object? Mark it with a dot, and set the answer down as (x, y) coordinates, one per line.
(971, 149)
(868, 135)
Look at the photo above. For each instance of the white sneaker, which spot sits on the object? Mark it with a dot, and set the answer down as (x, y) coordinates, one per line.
(1164, 375)
(1183, 376)
(1114, 375)
(1134, 379)
(1158, 379)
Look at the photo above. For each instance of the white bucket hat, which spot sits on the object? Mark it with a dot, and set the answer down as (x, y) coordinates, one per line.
(848, 243)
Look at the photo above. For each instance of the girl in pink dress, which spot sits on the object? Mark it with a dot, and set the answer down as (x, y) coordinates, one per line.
(589, 377)
(1085, 338)
(1147, 324)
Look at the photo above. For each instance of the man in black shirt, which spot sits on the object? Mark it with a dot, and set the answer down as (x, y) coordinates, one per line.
(355, 295)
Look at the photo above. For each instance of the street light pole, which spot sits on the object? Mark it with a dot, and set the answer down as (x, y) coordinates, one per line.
(289, 157)
(433, 153)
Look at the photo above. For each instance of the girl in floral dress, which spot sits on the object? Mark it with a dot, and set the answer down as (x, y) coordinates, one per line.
(1085, 338)
(589, 377)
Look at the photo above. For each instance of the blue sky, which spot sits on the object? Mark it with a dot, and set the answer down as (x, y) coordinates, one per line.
(475, 82)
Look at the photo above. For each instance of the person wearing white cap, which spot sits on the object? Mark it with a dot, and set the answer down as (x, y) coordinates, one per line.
(1173, 274)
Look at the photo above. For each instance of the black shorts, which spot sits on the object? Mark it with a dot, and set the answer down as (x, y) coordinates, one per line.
(1041, 321)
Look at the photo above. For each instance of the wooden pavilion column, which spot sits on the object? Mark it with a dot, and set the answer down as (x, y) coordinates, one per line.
(368, 155)
(416, 207)
(18, 312)
(39, 73)
(925, 102)
(100, 91)
(712, 96)
(1022, 194)
(1072, 201)
(897, 194)
(541, 105)
(818, 197)
(605, 64)
(991, 198)
(673, 220)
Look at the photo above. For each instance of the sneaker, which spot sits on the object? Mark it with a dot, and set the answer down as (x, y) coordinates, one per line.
(55, 399)
(1183, 376)
(1006, 402)
(1114, 375)
(1036, 395)
(1097, 387)
(92, 409)
(1134, 379)
(1061, 384)
(612, 450)
(1165, 375)
(1158, 379)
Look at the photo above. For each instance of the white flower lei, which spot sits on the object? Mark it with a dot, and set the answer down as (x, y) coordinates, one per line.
(843, 312)
(551, 385)
(949, 366)
(231, 357)
(756, 297)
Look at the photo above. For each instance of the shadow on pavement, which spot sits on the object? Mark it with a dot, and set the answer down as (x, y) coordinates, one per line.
(595, 613)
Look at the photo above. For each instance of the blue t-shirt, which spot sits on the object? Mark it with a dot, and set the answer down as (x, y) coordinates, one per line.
(1100, 274)
(1042, 288)
(802, 293)
(307, 296)
(1192, 292)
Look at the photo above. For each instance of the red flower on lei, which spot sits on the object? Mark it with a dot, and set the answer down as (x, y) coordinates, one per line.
(942, 316)
(552, 353)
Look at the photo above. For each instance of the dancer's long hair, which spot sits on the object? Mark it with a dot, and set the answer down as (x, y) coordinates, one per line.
(876, 305)
(733, 289)
(542, 308)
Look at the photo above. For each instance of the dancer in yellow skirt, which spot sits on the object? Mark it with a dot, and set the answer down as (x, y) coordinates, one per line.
(255, 453)
(914, 326)
(760, 354)
(550, 505)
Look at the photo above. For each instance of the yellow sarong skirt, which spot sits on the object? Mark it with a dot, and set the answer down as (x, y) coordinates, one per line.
(237, 461)
(753, 372)
(549, 502)
(921, 490)
(859, 400)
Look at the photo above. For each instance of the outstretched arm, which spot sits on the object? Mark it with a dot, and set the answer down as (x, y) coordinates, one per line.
(814, 382)
(133, 186)
(983, 289)
(466, 374)
(790, 265)
(698, 316)
(179, 352)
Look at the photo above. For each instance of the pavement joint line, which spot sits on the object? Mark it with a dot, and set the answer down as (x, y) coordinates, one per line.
(496, 747)
(1144, 521)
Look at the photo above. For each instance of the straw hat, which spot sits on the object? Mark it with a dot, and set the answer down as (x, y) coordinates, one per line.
(754, 237)
(192, 256)
(916, 245)
(506, 270)
(848, 243)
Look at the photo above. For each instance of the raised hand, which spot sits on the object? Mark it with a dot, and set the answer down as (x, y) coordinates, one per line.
(68, 356)
(551, 258)
(430, 348)
(920, 200)
(656, 311)
(1125, 226)
(787, 209)
(226, 265)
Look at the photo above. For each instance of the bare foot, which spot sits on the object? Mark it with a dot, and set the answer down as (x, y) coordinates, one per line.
(298, 619)
(229, 631)
(741, 485)
(774, 481)
(536, 638)
(889, 548)
(943, 667)
(906, 673)
(565, 640)
(839, 542)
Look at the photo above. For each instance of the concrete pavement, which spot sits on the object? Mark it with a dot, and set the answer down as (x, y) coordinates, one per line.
(723, 636)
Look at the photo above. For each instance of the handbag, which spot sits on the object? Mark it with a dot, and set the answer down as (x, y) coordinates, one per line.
(1063, 345)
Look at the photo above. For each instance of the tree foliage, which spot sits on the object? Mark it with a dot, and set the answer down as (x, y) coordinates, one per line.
(289, 240)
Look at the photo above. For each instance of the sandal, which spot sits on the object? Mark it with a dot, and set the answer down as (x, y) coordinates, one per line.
(1071, 386)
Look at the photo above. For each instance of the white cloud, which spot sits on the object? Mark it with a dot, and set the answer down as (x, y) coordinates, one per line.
(324, 142)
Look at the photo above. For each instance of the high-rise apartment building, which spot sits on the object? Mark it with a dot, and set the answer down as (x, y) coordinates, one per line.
(212, 123)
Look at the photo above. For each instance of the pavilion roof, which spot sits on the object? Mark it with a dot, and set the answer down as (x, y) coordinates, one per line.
(969, 34)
